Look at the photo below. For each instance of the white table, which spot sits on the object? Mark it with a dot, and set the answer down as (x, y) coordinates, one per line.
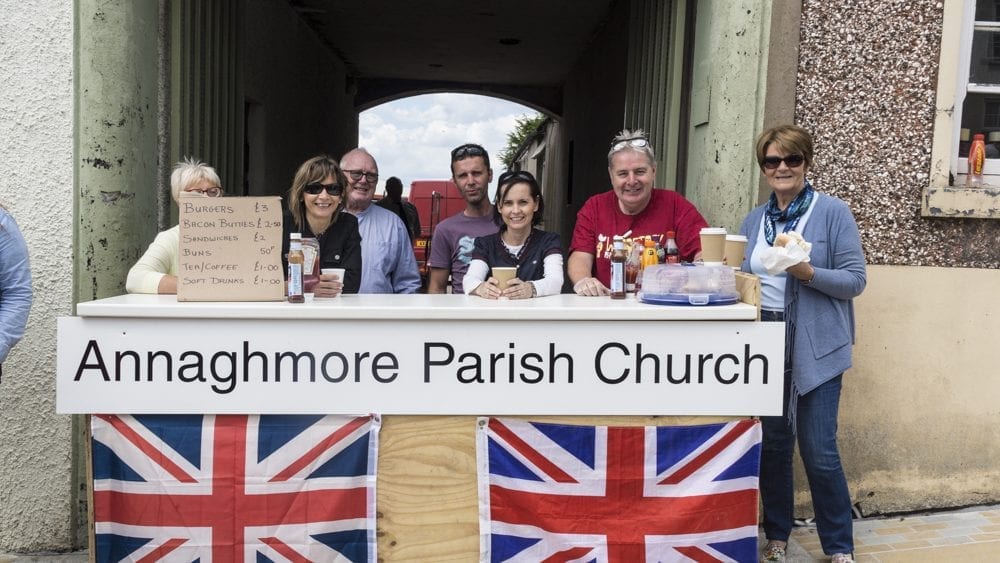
(418, 354)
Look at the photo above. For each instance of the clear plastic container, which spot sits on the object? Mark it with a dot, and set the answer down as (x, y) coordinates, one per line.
(688, 284)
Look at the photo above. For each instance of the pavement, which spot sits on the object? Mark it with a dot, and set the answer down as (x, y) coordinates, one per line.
(970, 535)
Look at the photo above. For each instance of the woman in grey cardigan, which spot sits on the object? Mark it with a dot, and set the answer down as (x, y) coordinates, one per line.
(814, 299)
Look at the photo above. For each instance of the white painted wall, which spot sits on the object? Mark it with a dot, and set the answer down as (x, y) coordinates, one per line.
(36, 184)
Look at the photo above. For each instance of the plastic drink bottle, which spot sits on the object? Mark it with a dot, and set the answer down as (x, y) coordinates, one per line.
(673, 253)
(649, 257)
(296, 261)
(977, 158)
(618, 269)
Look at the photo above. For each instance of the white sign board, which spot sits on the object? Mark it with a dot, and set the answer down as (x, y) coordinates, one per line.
(531, 367)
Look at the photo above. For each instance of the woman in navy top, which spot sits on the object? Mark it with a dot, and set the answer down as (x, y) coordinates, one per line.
(536, 254)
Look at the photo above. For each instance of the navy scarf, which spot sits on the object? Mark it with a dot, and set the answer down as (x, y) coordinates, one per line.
(789, 216)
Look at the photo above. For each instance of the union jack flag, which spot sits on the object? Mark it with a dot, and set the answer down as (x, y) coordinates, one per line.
(558, 493)
(234, 488)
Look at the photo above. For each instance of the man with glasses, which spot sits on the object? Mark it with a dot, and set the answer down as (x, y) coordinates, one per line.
(455, 237)
(632, 209)
(388, 263)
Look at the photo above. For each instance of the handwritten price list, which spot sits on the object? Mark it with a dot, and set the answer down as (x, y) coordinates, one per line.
(230, 249)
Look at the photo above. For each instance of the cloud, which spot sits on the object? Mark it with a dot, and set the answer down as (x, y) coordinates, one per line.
(412, 138)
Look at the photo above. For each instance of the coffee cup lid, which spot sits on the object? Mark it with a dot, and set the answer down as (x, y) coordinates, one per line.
(737, 238)
(713, 231)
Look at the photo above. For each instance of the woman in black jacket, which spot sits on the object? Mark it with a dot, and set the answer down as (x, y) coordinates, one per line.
(315, 202)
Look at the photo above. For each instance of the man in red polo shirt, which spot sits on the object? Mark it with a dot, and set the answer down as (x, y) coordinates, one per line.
(633, 209)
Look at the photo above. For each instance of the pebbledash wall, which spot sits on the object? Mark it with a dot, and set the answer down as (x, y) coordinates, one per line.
(919, 410)
(38, 496)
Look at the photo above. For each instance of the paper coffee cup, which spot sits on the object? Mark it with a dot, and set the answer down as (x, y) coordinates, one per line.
(339, 272)
(504, 275)
(713, 245)
(736, 246)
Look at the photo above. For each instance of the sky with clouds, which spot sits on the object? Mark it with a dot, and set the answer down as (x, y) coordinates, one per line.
(412, 138)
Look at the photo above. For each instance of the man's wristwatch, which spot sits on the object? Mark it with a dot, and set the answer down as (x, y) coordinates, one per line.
(534, 291)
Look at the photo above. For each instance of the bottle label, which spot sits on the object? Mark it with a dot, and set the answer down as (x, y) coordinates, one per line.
(617, 277)
(310, 260)
(977, 157)
(294, 280)
(649, 257)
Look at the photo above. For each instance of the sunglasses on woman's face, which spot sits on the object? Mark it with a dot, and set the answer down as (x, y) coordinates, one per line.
(509, 177)
(792, 161)
(334, 190)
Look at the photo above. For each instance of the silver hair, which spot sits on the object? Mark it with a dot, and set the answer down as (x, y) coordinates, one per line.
(189, 171)
(361, 150)
(632, 134)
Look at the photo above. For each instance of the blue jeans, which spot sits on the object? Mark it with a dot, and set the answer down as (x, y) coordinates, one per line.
(816, 421)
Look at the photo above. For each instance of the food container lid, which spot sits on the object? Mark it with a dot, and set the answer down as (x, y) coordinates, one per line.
(690, 299)
(688, 284)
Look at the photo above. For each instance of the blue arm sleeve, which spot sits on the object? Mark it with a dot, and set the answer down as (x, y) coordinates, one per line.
(15, 284)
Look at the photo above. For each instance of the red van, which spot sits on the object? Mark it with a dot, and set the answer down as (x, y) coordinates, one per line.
(435, 200)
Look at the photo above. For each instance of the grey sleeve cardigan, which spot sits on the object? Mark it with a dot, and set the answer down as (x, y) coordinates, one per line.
(824, 315)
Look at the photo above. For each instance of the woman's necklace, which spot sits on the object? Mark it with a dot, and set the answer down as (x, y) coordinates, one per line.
(508, 245)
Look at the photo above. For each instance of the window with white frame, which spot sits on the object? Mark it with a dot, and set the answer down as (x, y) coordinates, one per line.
(968, 102)
(978, 96)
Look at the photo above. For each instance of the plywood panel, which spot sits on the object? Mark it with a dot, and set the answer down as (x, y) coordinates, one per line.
(748, 286)
(427, 501)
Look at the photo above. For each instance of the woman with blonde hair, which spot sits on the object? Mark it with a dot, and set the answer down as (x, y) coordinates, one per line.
(156, 271)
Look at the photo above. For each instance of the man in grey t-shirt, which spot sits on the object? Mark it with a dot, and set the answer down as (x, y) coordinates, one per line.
(454, 237)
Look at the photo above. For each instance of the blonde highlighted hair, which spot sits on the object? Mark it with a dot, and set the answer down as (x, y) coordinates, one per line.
(190, 171)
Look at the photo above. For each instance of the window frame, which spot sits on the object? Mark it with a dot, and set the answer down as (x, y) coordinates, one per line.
(946, 194)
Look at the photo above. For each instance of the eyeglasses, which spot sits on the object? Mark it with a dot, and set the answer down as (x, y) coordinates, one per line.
(773, 162)
(637, 142)
(467, 150)
(210, 192)
(510, 177)
(357, 175)
(334, 190)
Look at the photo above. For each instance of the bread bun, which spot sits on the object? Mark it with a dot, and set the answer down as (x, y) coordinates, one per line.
(784, 239)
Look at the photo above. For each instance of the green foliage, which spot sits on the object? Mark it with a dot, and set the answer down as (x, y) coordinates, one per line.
(523, 127)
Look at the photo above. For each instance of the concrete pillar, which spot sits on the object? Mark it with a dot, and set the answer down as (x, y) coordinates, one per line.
(116, 133)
